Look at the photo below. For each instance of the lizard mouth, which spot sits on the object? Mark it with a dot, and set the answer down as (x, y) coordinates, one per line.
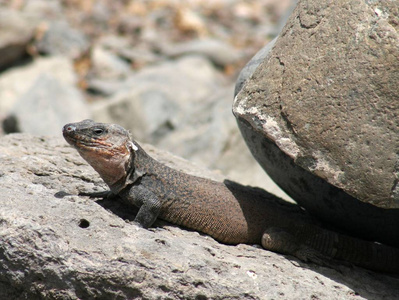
(88, 144)
(79, 142)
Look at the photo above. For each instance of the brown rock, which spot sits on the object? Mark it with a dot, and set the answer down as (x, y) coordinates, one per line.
(327, 96)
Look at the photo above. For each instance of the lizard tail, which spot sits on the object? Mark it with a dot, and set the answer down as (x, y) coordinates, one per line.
(312, 243)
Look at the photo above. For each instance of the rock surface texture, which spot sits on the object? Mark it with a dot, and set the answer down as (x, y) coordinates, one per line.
(57, 245)
(320, 113)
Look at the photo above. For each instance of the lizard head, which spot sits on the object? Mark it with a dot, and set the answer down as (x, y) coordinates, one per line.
(106, 147)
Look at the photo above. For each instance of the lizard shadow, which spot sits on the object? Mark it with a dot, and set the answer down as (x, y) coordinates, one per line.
(356, 278)
(115, 205)
(126, 212)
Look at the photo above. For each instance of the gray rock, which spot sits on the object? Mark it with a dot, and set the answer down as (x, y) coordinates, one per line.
(320, 114)
(45, 9)
(15, 82)
(155, 99)
(107, 65)
(218, 52)
(46, 107)
(16, 31)
(104, 87)
(57, 245)
(138, 55)
(60, 38)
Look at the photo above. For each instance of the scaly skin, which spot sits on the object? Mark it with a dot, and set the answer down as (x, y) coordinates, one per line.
(229, 212)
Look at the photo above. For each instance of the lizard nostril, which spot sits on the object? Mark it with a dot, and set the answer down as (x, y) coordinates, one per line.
(69, 128)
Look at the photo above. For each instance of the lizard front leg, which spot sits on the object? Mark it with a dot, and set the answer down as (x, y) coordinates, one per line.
(148, 203)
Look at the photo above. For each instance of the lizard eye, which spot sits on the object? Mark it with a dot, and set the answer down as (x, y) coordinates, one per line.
(98, 131)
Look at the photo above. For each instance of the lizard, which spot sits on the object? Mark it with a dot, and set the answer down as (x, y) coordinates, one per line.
(227, 211)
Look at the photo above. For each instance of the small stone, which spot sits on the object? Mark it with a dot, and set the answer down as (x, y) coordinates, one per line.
(107, 65)
(61, 39)
(220, 53)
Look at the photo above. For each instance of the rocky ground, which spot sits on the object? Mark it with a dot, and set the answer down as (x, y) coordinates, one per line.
(163, 69)
(55, 244)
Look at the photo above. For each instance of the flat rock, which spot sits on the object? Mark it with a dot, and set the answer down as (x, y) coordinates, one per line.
(320, 113)
(57, 245)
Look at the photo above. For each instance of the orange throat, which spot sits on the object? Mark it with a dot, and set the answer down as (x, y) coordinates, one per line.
(111, 163)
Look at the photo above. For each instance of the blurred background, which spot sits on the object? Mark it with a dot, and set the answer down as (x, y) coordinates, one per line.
(164, 69)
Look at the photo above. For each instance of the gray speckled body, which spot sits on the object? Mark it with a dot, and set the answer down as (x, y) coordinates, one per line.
(227, 211)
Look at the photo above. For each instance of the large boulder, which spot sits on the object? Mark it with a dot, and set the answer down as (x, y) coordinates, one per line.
(320, 113)
(55, 244)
